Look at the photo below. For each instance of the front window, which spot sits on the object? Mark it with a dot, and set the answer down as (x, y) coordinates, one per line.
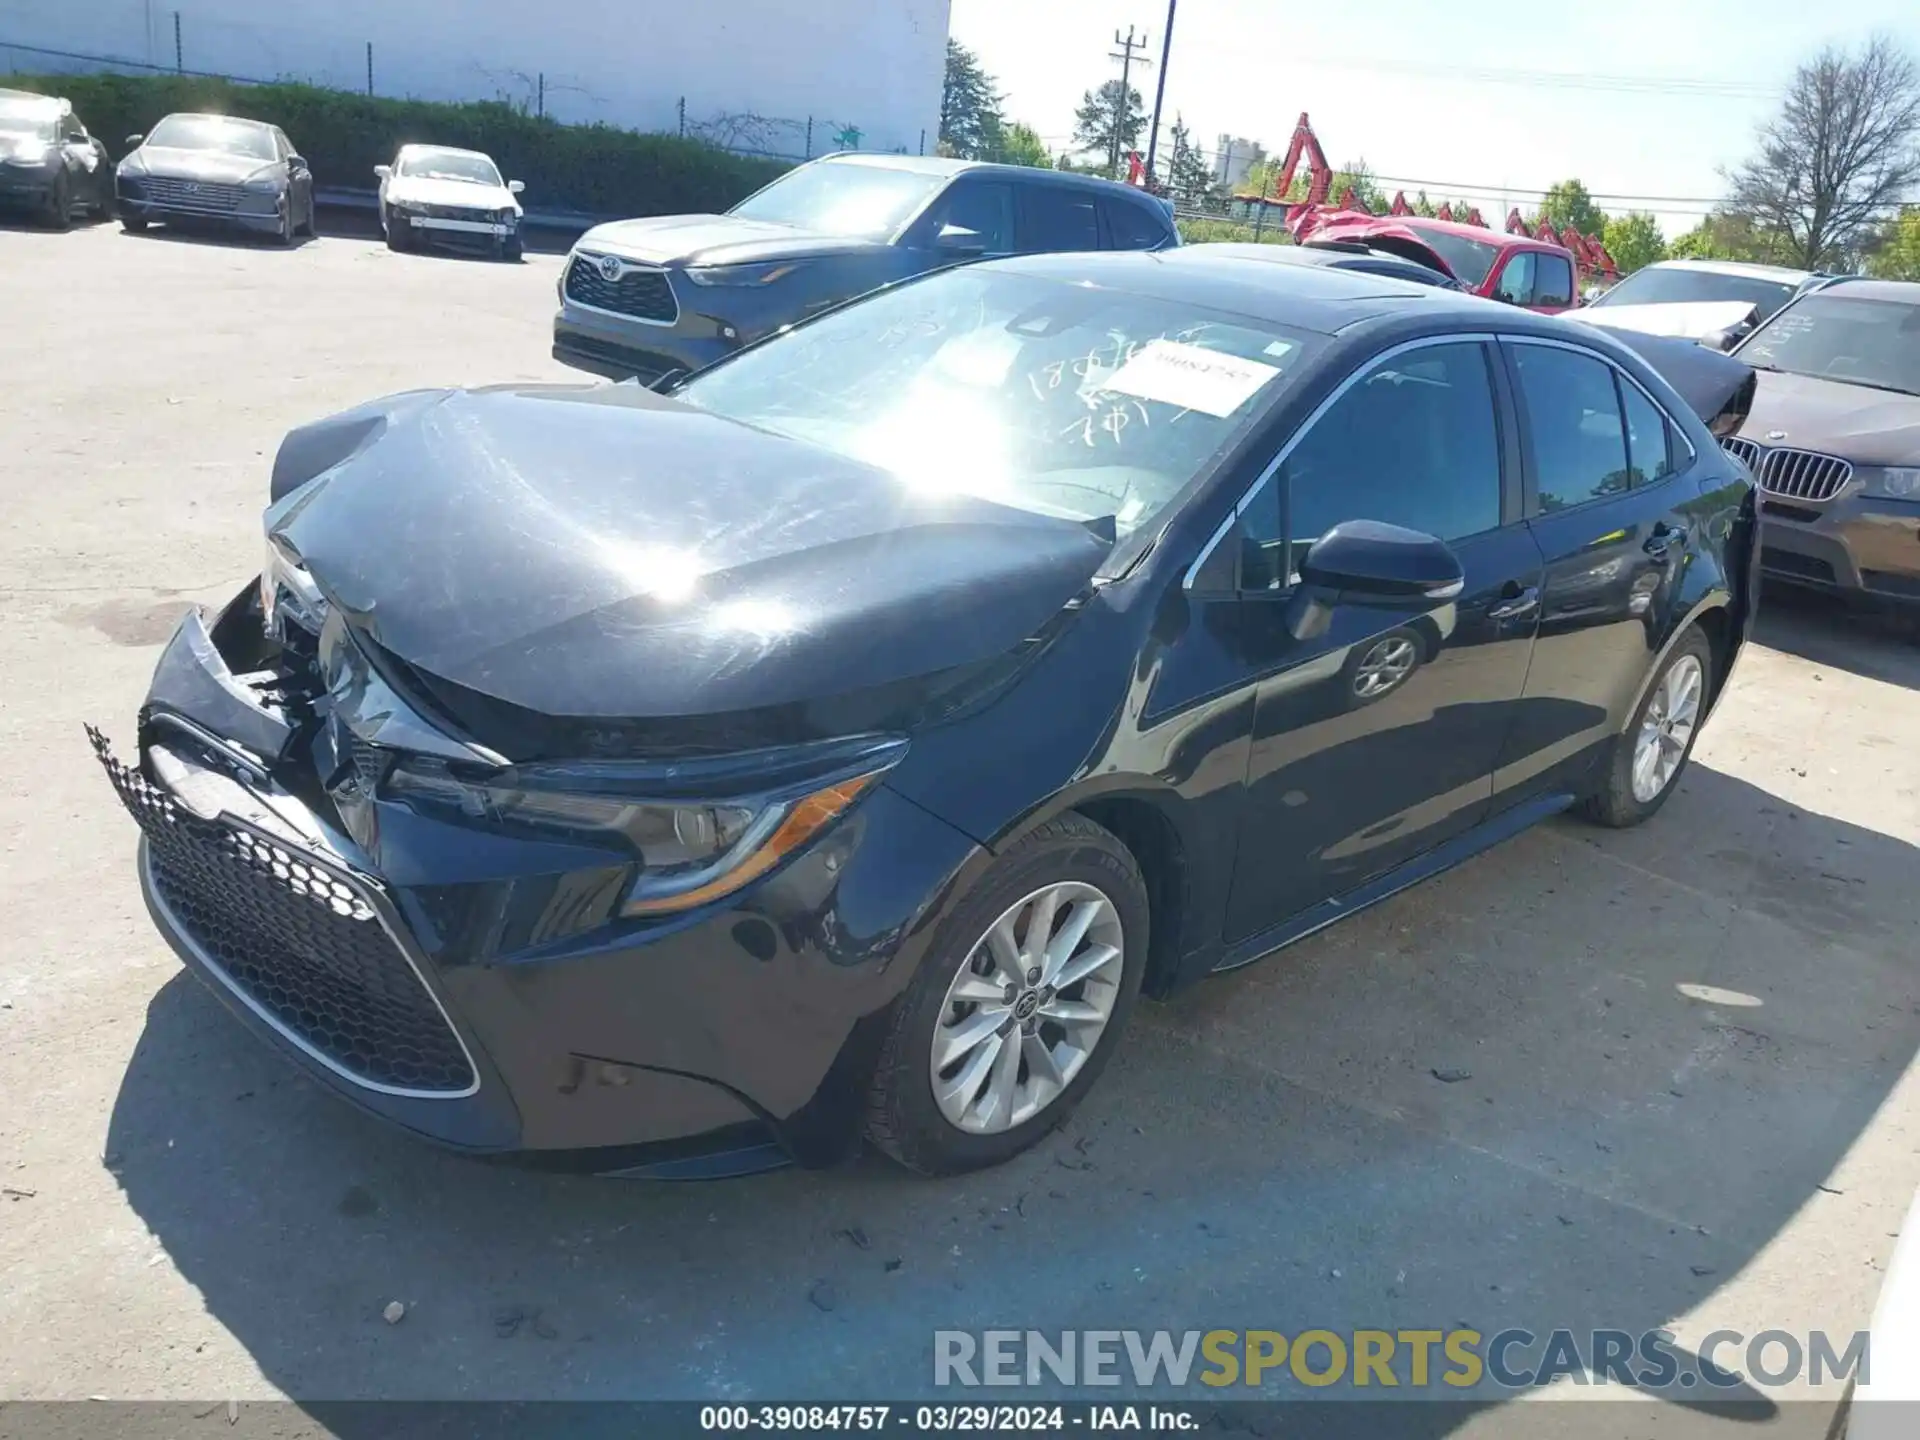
(28, 119)
(842, 198)
(215, 133)
(449, 165)
(1061, 398)
(1679, 286)
(1471, 260)
(1875, 343)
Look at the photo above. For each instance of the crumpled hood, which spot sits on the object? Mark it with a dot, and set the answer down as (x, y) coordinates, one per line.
(208, 165)
(1866, 426)
(603, 551)
(460, 194)
(714, 240)
(1689, 319)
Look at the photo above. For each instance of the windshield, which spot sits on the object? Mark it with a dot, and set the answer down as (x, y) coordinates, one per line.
(34, 118)
(1678, 286)
(842, 198)
(213, 132)
(1861, 342)
(1054, 397)
(449, 165)
(1469, 259)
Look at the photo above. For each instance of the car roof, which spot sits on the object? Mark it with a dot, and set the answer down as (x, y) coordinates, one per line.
(1895, 292)
(214, 115)
(1324, 299)
(52, 102)
(1750, 269)
(1497, 238)
(945, 166)
(1339, 254)
(415, 147)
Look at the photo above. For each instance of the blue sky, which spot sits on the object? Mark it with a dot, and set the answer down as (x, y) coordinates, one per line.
(1474, 93)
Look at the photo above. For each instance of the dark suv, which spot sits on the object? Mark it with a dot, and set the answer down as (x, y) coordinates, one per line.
(677, 292)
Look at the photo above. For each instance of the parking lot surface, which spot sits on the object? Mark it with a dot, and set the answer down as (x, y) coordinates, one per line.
(1680, 1059)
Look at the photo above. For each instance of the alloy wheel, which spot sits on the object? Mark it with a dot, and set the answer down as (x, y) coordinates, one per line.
(1384, 666)
(1667, 727)
(1027, 1008)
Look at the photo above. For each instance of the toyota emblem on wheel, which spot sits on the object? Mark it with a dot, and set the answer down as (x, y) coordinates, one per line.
(609, 267)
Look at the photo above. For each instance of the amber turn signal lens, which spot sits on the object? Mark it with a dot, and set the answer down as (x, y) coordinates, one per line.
(805, 820)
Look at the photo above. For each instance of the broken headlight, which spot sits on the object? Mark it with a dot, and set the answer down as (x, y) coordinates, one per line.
(287, 592)
(689, 852)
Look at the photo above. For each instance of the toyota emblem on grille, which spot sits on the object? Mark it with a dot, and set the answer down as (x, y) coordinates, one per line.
(609, 267)
(1776, 434)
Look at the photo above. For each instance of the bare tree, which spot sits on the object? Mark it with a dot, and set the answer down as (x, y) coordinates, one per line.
(1843, 150)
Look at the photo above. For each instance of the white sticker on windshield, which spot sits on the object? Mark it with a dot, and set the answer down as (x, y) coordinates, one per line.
(1209, 381)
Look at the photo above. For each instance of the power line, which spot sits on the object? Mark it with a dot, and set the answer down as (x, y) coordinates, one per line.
(1129, 53)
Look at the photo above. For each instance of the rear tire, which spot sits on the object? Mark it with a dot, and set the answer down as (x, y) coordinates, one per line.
(1098, 890)
(1639, 779)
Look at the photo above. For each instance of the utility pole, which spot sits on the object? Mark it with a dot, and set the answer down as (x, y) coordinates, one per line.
(1160, 89)
(1131, 51)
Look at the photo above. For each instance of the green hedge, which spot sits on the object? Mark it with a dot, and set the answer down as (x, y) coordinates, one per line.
(1201, 231)
(596, 169)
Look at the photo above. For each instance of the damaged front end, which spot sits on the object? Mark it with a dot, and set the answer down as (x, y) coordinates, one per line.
(595, 961)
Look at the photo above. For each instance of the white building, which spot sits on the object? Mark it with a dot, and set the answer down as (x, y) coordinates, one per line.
(1233, 157)
(752, 73)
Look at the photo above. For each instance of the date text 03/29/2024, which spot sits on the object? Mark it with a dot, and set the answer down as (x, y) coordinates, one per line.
(945, 1418)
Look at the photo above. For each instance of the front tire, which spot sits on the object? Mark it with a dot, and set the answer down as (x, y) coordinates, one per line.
(1651, 756)
(1016, 1008)
(60, 203)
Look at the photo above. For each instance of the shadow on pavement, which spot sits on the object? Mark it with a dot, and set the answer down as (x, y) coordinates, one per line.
(1880, 644)
(1659, 1044)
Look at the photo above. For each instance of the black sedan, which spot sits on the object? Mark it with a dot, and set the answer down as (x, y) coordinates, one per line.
(840, 742)
(216, 170)
(49, 164)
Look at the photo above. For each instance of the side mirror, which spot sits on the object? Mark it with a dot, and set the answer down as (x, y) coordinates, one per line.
(133, 141)
(1366, 560)
(958, 240)
(516, 187)
(296, 165)
(1724, 339)
(385, 172)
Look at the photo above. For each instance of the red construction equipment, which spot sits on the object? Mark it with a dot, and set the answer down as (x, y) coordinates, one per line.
(1590, 256)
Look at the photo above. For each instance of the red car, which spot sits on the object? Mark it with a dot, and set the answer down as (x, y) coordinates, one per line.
(1518, 269)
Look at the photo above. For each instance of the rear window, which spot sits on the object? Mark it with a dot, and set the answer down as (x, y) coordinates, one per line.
(1684, 285)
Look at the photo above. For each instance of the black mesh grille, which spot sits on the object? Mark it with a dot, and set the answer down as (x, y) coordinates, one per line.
(298, 938)
(211, 197)
(644, 294)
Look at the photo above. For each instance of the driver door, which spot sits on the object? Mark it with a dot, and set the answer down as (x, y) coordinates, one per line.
(1378, 725)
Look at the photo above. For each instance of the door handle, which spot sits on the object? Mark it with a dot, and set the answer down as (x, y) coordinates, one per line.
(1515, 602)
(1663, 539)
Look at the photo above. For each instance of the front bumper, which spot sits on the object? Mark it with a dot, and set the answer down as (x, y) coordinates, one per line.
(25, 186)
(455, 229)
(479, 989)
(622, 349)
(258, 213)
(1856, 543)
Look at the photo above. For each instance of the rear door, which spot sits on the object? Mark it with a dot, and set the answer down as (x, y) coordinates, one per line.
(1056, 217)
(1604, 487)
(1377, 727)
